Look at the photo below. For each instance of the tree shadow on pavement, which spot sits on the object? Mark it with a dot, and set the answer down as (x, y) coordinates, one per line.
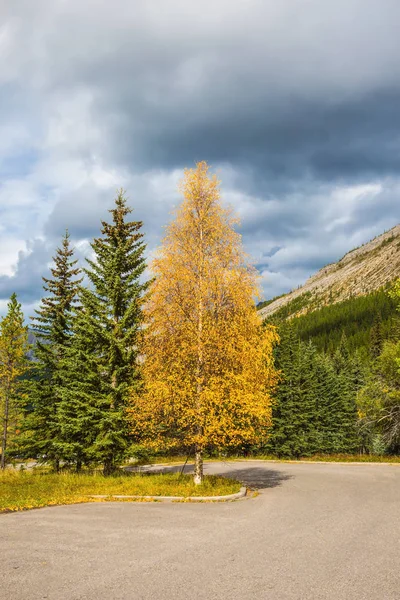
(254, 477)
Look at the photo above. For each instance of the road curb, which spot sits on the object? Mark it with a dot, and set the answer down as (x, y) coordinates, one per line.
(159, 467)
(228, 498)
(315, 462)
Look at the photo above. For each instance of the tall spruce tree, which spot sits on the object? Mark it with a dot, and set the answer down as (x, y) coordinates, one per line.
(309, 398)
(326, 404)
(347, 383)
(101, 364)
(52, 328)
(285, 435)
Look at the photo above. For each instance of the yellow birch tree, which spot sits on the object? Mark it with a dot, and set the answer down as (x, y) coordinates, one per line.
(208, 369)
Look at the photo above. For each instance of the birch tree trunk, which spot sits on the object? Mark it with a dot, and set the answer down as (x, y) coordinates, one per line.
(198, 469)
(198, 465)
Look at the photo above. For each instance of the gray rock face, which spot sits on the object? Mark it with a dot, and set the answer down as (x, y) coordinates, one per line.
(359, 272)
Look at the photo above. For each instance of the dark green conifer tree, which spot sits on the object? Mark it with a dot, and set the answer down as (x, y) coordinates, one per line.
(394, 330)
(52, 328)
(102, 363)
(327, 405)
(358, 372)
(376, 338)
(285, 435)
(347, 372)
(309, 399)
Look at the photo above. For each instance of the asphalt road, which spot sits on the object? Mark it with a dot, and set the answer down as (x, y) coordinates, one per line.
(316, 531)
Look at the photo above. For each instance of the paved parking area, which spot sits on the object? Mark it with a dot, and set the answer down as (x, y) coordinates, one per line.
(315, 532)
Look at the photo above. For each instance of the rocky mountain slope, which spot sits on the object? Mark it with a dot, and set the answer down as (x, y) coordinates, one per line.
(359, 272)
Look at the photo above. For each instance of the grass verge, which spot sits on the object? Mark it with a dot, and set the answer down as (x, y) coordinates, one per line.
(34, 489)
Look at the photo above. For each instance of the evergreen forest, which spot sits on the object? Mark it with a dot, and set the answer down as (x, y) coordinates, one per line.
(335, 395)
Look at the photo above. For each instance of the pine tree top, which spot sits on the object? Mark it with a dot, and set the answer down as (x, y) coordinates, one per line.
(118, 263)
(52, 320)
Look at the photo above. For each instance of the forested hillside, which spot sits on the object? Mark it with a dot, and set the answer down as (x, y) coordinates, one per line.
(340, 379)
(365, 320)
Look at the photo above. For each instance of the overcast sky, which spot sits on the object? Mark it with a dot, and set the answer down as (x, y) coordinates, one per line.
(295, 104)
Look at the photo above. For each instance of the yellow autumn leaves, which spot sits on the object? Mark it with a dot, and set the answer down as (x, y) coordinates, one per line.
(208, 370)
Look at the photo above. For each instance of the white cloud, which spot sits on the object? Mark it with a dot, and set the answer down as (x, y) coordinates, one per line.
(296, 108)
(9, 250)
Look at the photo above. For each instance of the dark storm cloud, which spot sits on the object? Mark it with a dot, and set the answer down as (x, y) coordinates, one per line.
(352, 140)
(295, 104)
(291, 89)
(289, 106)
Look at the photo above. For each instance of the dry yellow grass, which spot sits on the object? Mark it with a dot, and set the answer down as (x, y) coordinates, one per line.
(30, 489)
